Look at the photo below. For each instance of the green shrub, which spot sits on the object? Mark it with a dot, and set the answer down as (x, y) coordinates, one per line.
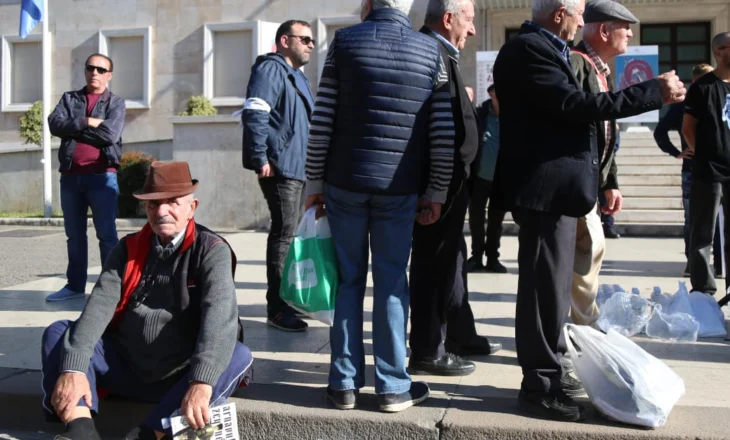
(199, 106)
(133, 171)
(31, 125)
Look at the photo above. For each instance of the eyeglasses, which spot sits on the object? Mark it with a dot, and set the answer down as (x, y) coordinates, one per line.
(305, 40)
(101, 70)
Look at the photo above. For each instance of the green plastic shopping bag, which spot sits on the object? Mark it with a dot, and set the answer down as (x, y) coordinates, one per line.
(309, 282)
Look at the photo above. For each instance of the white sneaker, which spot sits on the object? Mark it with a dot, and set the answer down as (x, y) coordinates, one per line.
(64, 294)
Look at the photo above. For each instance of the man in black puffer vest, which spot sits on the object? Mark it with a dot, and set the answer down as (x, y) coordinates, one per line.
(442, 323)
(382, 111)
(161, 324)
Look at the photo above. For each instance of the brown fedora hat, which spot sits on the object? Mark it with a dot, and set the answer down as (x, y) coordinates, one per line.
(167, 180)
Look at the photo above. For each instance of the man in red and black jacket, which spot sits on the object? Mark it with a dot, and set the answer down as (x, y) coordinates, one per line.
(90, 123)
(161, 324)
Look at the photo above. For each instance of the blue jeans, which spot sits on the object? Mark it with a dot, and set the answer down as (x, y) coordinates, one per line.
(716, 244)
(384, 223)
(109, 371)
(79, 193)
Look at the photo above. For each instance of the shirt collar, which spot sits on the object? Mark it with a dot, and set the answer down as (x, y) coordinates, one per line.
(175, 241)
(452, 49)
(601, 66)
(558, 42)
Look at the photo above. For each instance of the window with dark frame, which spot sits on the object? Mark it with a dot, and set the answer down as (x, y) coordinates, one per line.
(681, 45)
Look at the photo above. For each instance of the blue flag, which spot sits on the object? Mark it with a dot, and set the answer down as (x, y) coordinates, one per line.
(31, 13)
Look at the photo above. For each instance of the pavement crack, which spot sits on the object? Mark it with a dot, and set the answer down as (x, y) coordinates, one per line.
(14, 373)
(447, 407)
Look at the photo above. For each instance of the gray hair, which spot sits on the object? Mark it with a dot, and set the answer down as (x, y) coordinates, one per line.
(541, 9)
(437, 8)
(402, 5)
(594, 28)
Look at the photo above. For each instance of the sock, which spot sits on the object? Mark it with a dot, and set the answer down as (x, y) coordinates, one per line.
(82, 429)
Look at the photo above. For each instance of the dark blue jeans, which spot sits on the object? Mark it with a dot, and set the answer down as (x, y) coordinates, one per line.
(109, 371)
(79, 193)
(382, 224)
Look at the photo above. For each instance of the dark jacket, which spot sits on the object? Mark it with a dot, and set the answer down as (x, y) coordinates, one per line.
(548, 159)
(277, 135)
(70, 123)
(588, 79)
(466, 129)
(672, 120)
(386, 73)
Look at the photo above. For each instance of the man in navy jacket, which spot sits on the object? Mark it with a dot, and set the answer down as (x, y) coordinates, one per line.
(276, 118)
(547, 173)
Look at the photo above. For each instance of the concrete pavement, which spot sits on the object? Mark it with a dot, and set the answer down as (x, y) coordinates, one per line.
(287, 399)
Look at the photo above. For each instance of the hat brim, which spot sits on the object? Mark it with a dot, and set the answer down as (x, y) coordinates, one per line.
(163, 195)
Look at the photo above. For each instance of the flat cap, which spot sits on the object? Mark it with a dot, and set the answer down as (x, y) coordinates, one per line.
(598, 11)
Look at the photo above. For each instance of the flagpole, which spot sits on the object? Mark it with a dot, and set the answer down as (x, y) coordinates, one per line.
(46, 48)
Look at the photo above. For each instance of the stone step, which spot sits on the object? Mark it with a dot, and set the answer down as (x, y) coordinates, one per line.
(663, 159)
(649, 171)
(652, 203)
(670, 180)
(650, 191)
(641, 151)
(650, 216)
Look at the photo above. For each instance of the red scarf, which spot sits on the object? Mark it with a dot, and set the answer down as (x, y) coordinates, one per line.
(138, 248)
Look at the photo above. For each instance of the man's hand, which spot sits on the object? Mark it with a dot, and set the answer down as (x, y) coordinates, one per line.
(69, 390)
(94, 122)
(688, 153)
(614, 202)
(266, 171)
(673, 90)
(196, 404)
(428, 212)
(314, 199)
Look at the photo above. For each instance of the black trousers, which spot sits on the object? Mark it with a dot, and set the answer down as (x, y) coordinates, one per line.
(438, 286)
(285, 198)
(704, 205)
(545, 258)
(480, 194)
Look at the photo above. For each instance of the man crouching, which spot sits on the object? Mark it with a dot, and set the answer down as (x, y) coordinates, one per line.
(161, 324)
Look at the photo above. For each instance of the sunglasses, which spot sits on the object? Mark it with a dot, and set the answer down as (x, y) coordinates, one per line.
(305, 40)
(101, 70)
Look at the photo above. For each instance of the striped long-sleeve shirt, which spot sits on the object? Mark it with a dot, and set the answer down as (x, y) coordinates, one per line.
(441, 132)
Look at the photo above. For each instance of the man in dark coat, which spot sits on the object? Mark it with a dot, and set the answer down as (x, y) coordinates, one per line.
(547, 175)
(442, 323)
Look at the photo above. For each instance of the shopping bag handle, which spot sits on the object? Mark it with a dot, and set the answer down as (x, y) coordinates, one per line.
(308, 226)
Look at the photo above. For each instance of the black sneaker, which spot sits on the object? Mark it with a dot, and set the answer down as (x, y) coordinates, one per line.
(571, 386)
(346, 399)
(553, 406)
(447, 365)
(398, 402)
(474, 264)
(287, 322)
(495, 266)
(479, 346)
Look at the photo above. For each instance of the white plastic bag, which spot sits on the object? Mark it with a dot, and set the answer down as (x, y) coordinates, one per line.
(623, 381)
(707, 312)
(675, 327)
(624, 312)
(677, 303)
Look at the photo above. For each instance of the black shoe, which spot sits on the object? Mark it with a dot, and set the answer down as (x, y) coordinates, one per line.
(479, 346)
(553, 406)
(287, 322)
(398, 402)
(611, 233)
(474, 264)
(447, 365)
(495, 266)
(346, 399)
(143, 433)
(571, 386)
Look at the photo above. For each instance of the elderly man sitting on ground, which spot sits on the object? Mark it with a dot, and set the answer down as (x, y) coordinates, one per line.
(161, 324)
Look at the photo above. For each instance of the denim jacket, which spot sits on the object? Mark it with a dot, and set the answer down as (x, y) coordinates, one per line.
(275, 119)
(70, 123)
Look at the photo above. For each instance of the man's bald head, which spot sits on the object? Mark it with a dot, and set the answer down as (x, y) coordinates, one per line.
(721, 40)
